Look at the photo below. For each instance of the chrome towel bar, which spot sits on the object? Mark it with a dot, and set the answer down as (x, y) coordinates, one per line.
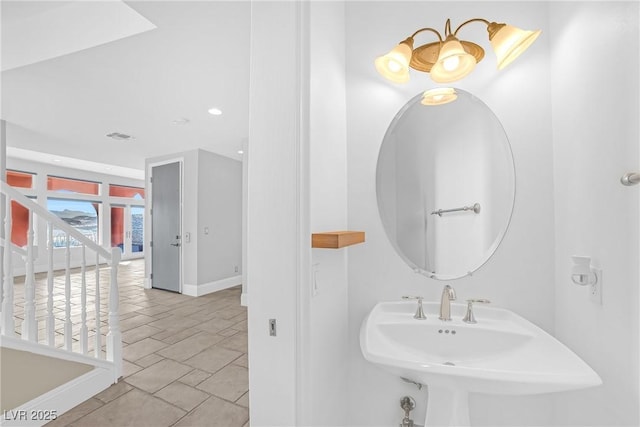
(475, 208)
(630, 178)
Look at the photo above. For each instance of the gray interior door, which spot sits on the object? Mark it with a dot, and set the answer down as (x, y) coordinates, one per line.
(165, 227)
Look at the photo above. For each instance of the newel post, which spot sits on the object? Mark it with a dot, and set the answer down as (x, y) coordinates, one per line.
(114, 336)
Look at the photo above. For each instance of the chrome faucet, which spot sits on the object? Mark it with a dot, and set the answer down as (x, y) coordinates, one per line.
(448, 295)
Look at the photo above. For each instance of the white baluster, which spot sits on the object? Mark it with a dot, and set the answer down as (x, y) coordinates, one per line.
(51, 320)
(68, 330)
(29, 325)
(98, 337)
(84, 337)
(8, 324)
(114, 337)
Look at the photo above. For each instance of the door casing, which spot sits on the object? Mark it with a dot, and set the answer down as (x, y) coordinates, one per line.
(148, 254)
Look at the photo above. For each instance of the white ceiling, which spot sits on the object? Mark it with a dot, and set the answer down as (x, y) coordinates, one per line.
(196, 58)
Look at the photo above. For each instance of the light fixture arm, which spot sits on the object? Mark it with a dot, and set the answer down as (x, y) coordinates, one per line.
(427, 29)
(468, 22)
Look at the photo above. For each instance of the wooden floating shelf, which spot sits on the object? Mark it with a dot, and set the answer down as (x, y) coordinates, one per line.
(336, 239)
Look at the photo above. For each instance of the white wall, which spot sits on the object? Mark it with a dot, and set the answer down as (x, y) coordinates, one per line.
(278, 240)
(521, 273)
(596, 140)
(327, 363)
(219, 218)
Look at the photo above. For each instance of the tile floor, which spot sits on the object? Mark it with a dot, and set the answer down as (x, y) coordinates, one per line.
(185, 358)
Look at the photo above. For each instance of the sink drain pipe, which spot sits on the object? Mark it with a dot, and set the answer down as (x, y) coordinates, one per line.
(408, 404)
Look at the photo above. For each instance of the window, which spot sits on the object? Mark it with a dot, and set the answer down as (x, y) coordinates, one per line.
(81, 215)
(19, 214)
(20, 179)
(56, 183)
(124, 191)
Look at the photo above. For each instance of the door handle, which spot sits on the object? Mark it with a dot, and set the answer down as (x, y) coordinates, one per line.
(175, 244)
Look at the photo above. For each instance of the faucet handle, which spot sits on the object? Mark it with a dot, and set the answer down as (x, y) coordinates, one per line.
(450, 292)
(469, 317)
(419, 312)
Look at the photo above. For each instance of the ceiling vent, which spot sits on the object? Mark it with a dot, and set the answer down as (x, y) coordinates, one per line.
(120, 136)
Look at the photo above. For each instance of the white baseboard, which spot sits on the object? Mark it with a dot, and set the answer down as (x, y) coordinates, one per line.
(244, 300)
(207, 288)
(147, 283)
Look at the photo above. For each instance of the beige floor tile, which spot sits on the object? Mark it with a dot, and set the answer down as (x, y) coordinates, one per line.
(229, 383)
(139, 333)
(149, 360)
(230, 312)
(214, 325)
(242, 361)
(182, 395)
(113, 392)
(183, 350)
(174, 322)
(129, 368)
(172, 336)
(135, 321)
(227, 332)
(141, 349)
(133, 409)
(195, 377)
(73, 414)
(213, 359)
(216, 412)
(157, 376)
(241, 326)
(244, 400)
(155, 310)
(236, 342)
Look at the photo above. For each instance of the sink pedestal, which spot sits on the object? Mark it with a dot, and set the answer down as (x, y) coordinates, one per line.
(447, 407)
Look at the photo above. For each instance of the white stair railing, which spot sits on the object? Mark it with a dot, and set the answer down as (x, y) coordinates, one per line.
(29, 329)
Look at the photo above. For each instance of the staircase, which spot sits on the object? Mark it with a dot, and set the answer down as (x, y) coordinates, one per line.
(34, 325)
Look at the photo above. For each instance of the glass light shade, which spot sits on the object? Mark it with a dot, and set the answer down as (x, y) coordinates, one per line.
(509, 42)
(439, 96)
(453, 62)
(394, 65)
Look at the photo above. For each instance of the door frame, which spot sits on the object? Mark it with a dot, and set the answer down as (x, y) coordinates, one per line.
(127, 253)
(148, 258)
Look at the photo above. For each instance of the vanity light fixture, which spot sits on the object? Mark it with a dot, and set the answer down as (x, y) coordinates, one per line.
(439, 96)
(450, 59)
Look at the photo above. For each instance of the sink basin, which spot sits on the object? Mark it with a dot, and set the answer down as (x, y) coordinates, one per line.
(501, 354)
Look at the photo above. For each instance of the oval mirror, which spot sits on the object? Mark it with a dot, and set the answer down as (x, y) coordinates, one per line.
(445, 183)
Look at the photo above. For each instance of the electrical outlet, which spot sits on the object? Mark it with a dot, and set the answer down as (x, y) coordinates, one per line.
(236, 268)
(595, 289)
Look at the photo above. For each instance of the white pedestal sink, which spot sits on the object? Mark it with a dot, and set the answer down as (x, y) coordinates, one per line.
(501, 354)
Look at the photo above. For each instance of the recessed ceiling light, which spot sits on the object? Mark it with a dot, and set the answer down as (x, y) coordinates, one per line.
(240, 152)
(215, 111)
